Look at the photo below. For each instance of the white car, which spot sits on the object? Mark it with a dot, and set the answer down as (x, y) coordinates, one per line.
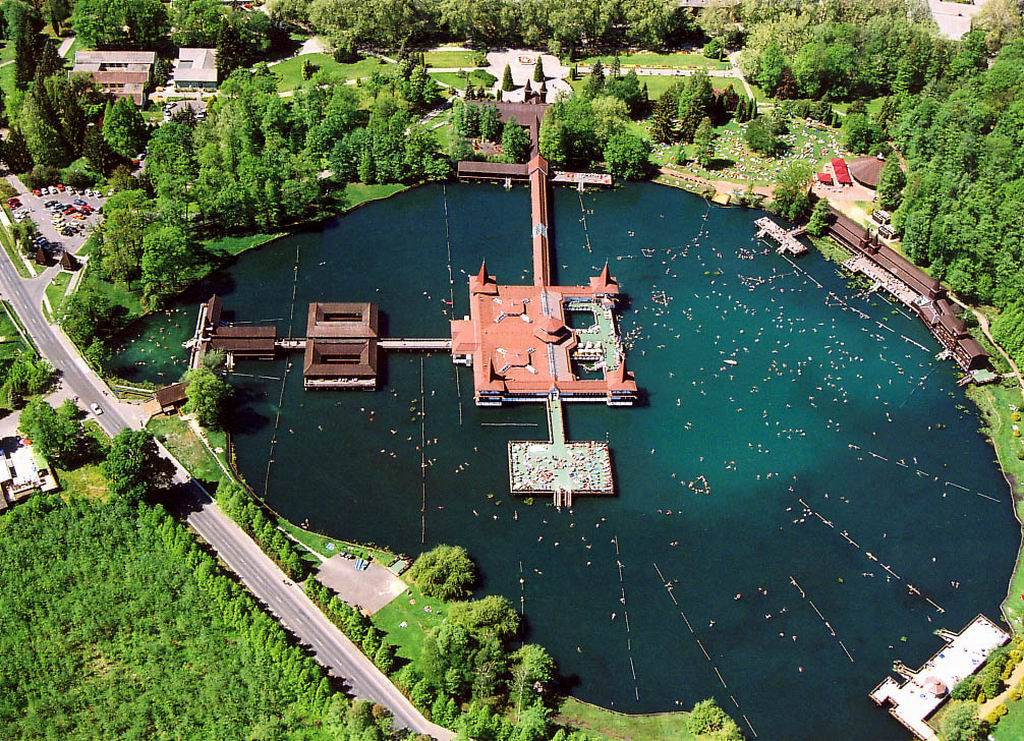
(96, 409)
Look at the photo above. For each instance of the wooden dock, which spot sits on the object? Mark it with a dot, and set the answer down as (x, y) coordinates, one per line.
(788, 241)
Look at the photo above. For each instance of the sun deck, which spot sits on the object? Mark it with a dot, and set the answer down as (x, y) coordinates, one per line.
(924, 690)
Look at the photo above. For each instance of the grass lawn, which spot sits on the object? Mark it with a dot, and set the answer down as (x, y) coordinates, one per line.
(117, 294)
(234, 246)
(678, 60)
(658, 84)
(997, 404)
(408, 608)
(179, 438)
(356, 194)
(57, 289)
(611, 725)
(455, 59)
(289, 72)
(735, 162)
(1011, 725)
(85, 481)
(477, 77)
(12, 343)
(7, 79)
(8, 242)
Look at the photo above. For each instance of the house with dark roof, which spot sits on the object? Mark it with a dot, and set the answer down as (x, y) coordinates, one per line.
(341, 346)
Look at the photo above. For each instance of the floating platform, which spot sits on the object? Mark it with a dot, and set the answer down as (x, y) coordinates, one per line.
(788, 241)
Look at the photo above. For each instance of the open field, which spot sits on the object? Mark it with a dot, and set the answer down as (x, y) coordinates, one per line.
(289, 72)
(477, 77)
(997, 404)
(452, 58)
(231, 246)
(56, 291)
(678, 60)
(356, 194)
(179, 438)
(611, 725)
(408, 608)
(85, 481)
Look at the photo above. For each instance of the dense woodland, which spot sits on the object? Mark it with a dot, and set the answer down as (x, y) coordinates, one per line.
(115, 624)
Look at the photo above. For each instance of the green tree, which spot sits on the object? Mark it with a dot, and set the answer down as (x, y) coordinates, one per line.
(820, 215)
(663, 121)
(207, 396)
(595, 82)
(133, 466)
(490, 123)
(760, 139)
(891, 182)
(960, 722)
(627, 155)
(538, 69)
(506, 79)
(694, 103)
(167, 262)
(707, 719)
(16, 153)
(515, 142)
(791, 194)
(196, 22)
(56, 433)
(124, 129)
(861, 134)
(704, 143)
(128, 24)
(122, 235)
(770, 67)
(445, 572)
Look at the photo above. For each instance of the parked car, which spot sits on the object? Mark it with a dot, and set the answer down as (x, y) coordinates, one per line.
(96, 409)
(60, 187)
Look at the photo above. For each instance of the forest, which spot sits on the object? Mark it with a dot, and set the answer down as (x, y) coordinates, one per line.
(115, 624)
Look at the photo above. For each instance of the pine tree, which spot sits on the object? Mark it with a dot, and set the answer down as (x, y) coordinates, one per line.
(704, 143)
(891, 182)
(616, 70)
(818, 222)
(506, 79)
(663, 121)
(49, 62)
(16, 153)
(538, 69)
(26, 49)
(595, 83)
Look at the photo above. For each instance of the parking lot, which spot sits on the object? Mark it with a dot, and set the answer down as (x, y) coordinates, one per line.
(63, 218)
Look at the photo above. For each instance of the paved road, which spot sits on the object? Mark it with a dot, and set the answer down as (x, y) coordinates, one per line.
(261, 575)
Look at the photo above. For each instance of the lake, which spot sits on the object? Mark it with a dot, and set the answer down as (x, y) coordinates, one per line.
(746, 491)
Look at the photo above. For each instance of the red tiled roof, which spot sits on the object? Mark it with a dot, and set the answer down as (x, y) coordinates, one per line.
(842, 171)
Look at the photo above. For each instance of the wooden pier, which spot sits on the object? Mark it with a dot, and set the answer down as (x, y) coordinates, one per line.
(407, 344)
(788, 241)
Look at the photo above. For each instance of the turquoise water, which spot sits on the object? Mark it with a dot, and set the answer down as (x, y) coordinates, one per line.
(834, 399)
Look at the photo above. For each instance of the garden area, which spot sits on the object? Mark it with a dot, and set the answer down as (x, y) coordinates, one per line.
(290, 76)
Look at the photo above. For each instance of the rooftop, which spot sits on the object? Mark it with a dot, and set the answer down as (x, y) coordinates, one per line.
(343, 321)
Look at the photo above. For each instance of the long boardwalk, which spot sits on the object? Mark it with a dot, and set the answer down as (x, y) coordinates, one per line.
(540, 214)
